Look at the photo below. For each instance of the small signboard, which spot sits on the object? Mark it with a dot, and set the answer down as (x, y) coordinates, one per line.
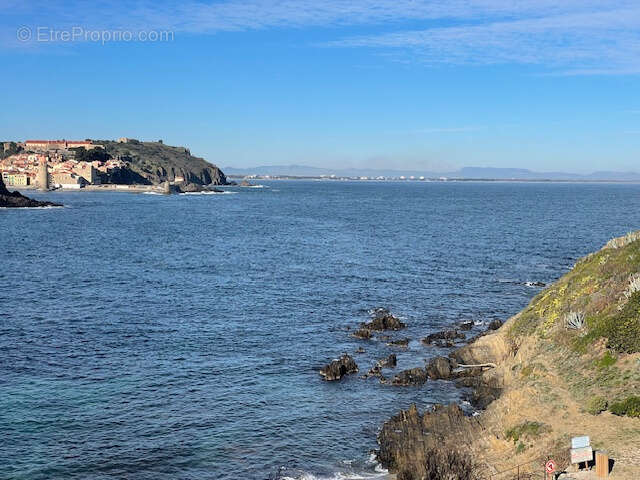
(579, 455)
(580, 442)
(550, 466)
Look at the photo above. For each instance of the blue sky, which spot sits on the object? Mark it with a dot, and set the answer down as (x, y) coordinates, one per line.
(407, 84)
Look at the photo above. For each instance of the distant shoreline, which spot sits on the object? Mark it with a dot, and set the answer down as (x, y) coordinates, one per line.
(426, 180)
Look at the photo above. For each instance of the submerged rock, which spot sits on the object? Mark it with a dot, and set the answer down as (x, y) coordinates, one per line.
(413, 376)
(466, 326)
(443, 338)
(338, 368)
(376, 371)
(362, 333)
(402, 343)
(390, 362)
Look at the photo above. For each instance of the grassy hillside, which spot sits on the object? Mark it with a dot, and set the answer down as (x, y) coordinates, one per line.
(569, 365)
(157, 162)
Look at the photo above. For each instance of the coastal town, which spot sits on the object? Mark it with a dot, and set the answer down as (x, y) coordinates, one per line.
(51, 164)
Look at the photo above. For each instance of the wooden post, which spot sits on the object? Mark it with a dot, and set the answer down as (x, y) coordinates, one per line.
(602, 465)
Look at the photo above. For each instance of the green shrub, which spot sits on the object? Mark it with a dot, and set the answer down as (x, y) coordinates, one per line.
(525, 430)
(623, 330)
(629, 407)
(607, 360)
(597, 405)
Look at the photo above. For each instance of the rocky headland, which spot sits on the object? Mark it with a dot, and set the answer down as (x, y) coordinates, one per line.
(567, 365)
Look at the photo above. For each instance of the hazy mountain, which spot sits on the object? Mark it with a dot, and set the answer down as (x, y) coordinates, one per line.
(466, 173)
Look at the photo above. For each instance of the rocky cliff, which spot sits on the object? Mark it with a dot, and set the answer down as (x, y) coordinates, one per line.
(16, 200)
(567, 365)
(154, 163)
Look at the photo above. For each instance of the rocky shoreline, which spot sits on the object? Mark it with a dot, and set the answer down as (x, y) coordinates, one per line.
(17, 200)
(565, 366)
(409, 441)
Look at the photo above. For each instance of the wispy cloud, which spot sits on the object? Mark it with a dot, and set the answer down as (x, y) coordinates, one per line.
(594, 43)
(575, 37)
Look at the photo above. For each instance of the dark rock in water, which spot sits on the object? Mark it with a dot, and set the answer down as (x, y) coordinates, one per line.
(409, 440)
(17, 200)
(402, 343)
(414, 376)
(191, 188)
(363, 333)
(444, 337)
(495, 324)
(466, 326)
(390, 362)
(383, 320)
(376, 371)
(360, 350)
(439, 368)
(339, 368)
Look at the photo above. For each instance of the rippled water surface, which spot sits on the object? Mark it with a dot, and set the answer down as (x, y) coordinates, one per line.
(152, 337)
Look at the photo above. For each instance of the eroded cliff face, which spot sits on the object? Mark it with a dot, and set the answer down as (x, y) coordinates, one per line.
(548, 369)
(409, 439)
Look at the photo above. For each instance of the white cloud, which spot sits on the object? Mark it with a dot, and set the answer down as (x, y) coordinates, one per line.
(571, 36)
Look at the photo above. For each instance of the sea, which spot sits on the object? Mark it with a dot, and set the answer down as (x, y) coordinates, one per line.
(161, 337)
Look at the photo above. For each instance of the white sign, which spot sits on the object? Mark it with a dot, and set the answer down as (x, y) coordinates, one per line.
(580, 442)
(579, 455)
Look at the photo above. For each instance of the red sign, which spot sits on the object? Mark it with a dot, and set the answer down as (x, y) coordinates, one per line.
(550, 466)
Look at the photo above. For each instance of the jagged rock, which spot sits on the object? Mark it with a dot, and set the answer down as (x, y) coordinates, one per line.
(362, 333)
(402, 343)
(495, 324)
(339, 368)
(443, 338)
(17, 200)
(482, 393)
(382, 319)
(439, 368)
(409, 439)
(466, 326)
(191, 187)
(414, 376)
(390, 362)
(376, 371)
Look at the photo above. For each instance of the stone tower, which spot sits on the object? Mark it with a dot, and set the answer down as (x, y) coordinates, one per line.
(42, 179)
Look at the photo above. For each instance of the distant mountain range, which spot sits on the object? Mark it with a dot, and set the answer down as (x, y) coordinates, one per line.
(463, 173)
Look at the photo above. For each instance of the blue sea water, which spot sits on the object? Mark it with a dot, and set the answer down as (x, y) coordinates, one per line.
(180, 337)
